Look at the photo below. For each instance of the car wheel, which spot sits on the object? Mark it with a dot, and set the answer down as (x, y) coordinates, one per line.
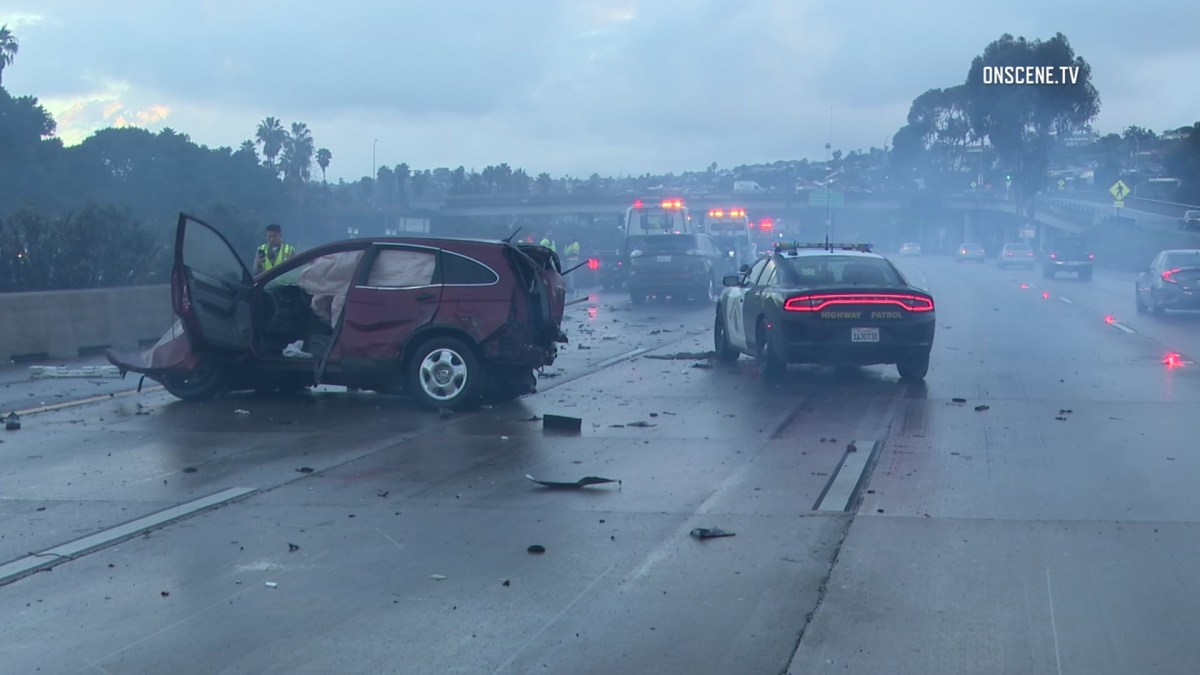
(637, 297)
(445, 373)
(913, 367)
(770, 367)
(1137, 301)
(206, 381)
(1155, 308)
(725, 351)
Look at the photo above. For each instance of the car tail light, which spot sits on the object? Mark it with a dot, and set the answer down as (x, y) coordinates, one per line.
(1053, 256)
(593, 264)
(1091, 256)
(1169, 275)
(637, 204)
(815, 302)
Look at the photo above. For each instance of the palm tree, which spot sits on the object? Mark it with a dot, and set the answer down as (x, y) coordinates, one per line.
(298, 153)
(8, 49)
(323, 157)
(271, 136)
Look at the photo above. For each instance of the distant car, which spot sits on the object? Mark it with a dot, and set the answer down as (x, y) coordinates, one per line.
(1171, 282)
(678, 265)
(611, 267)
(824, 304)
(1068, 254)
(449, 320)
(910, 249)
(1190, 220)
(1016, 255)
(970, 252)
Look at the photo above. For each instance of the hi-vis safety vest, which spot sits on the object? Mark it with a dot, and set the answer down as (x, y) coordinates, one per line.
(285, 251)
(549, 243)
(572, 250)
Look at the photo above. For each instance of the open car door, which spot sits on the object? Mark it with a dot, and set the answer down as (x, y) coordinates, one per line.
(210, 289)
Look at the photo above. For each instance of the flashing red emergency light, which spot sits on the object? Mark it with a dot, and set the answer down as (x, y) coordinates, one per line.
(766, 224)
(637, 203)
(672, 203)
(1173, 360)
(717, 213)
(593, 264)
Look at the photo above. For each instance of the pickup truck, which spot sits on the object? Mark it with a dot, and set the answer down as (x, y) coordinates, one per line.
(1068, 254)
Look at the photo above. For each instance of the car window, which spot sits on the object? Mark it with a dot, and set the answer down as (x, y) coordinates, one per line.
(764, 274)
(756, 271)
(853, 270)
(1182, 259)
(205, 252)
(402, 268)
(459, 270)
(667, 243)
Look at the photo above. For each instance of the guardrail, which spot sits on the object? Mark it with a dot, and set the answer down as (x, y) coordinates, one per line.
(65, 324)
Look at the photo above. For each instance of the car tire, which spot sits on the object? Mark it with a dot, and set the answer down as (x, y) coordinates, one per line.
(1155, 308)
(770, 367)
(725, 351)
(1137, 302)
(209, 380)
(913, 368)
(445, 372)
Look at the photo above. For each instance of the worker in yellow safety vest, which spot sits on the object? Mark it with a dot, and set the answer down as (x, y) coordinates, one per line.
(548, 242)
(274, 252)
(571, 260)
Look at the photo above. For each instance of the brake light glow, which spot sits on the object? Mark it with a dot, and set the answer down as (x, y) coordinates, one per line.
(1169, 275)
(717, 213)
(637, 204)
(1053, 256)
(593, 264)
(819, 301)
(766, 224)
(1024, 286)
(672, 203)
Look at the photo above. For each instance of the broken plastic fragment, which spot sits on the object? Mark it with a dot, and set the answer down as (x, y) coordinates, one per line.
(959, 400)
(710, 533)
(981, 408)
(12, 422)
(639, 424)
(239, 411)
(581, 483)
(296, 351)
(437, 577)
(272, 584)
(536, 548)
(305, 469)
(292, 548)
(562, 422)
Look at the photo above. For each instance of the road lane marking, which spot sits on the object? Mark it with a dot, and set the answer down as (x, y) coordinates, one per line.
(839, 493)
(1122, 327)
(84, 401)
(1066, 301)
(621, 357)
(1053, 623)
(51, 557)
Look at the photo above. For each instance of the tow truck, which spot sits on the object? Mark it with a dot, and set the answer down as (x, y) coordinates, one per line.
(730, 230)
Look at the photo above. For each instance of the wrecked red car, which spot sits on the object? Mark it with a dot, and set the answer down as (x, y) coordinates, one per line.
(450, 321)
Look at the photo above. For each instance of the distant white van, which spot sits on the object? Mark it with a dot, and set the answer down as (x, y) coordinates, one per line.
(747, 187)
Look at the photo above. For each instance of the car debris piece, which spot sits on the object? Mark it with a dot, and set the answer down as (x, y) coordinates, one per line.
(548, 375)
(506, 583)
(959, 400)
(533, 418)
(296, 351)
(562, 422)
(39, 372)
(12, 422)
(537, 549)
(702, 364)
(190, 469)
(239, 411)
(292, 548)
(640, 424)
(981, 408)
(710, 533)
(682, 356)
(1060, 418)
(1066, 411)
(579, 484)
(382, 494)
(437, 577)
(305, 469)
(272, 584)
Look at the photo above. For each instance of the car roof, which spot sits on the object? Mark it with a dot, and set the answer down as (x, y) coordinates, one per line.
(823, 252)
(1183, 251)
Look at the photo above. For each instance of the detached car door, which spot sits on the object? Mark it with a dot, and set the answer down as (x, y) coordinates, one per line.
(210, 289)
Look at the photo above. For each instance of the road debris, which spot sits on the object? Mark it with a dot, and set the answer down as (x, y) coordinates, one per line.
(305, 469)
(1065, 411)
(547, 376)
(577, 485)
(272, 584)
(12, 422)
(40, 372)
(239, 411)
(292, 548)
(958, 400)
(981, 408)
(702, 364)
(683, 356)
(562, 423)
(537, 549)
(437, 577)
(382, 494)
(533, 418)
(165, 594)
(190, 469)
(640, 424)
(1060, 418)
(710, 533)
(506, 583)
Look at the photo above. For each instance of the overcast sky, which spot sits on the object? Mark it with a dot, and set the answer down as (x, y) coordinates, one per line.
(567, 86)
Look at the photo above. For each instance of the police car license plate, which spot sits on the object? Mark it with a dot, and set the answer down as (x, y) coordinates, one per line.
(864, 335)
(662, 258)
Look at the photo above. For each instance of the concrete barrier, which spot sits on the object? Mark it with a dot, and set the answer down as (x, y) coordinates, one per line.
(64, 324)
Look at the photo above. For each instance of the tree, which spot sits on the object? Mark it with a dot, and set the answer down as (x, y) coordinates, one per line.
(544, 183)
(323, 158)
(1183, 161)
(8, 49)
(271, 136)
(298, 154)
(1021, 121)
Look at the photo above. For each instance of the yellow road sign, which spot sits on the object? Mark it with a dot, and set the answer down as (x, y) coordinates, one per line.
(1119, 190)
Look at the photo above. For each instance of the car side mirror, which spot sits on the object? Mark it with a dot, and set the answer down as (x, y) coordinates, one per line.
(732, 281)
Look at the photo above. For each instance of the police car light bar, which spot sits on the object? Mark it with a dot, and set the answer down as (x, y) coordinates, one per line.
(795, 246)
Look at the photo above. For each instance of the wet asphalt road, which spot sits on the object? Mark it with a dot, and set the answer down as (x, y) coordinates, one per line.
(994, 541)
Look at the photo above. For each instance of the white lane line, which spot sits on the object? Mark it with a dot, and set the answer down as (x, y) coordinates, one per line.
(1066, 301)
(70, 550)
(1123, 327)
(1053, 623)
(849, 474)
(621, 357)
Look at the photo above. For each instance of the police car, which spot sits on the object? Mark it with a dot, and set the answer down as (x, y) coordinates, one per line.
(829, 304)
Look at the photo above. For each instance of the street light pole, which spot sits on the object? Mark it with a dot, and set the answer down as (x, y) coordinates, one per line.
(373, 164)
